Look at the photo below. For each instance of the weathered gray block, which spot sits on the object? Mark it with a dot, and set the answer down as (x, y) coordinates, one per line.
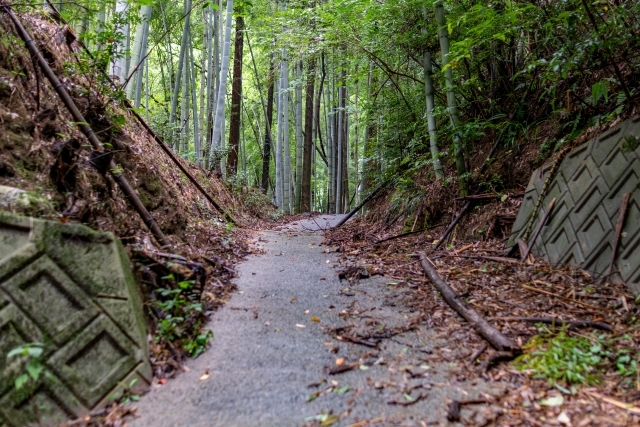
(70, 288)
(588, 187)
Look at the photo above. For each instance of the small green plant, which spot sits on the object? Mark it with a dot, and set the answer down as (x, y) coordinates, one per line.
(29, 357)
(630, 143)
(577, 360)
(180, 310)
(127, 395)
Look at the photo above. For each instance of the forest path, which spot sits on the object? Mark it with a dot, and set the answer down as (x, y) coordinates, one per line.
(274, 338)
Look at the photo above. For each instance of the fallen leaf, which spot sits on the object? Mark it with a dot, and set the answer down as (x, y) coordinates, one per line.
(563, 418)
(315, 319)
(341, 390)
(298, 325)
(553, 401)
(329, 420)
(339, 361)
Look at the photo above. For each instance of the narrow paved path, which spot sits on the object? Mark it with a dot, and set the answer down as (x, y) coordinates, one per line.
(272, 341)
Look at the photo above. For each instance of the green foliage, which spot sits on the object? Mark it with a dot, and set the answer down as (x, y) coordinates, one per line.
(577, 359)
(180, 308)
(29, 358)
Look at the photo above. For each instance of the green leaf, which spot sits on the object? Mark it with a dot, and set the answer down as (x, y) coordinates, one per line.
(21, 381)
(341, 390)
(34, 368)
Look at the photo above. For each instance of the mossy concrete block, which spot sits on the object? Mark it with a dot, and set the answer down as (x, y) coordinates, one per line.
(588, 187)
(72, 289)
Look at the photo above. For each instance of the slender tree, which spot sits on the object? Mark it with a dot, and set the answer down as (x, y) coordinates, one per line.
(218, 118)
(308, 136)
(236, 99)
(451, 96)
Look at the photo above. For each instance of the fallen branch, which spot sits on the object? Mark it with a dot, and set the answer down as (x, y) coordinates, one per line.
(492, 335)
(551, 294)
(622, 405)
(619, 225)
(538, 229)
(449, 229)
(478, 352)
(495, 357)
(552, 320)
(366, 200)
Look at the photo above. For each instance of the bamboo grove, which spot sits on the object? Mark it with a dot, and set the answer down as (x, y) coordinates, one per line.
(317, 101)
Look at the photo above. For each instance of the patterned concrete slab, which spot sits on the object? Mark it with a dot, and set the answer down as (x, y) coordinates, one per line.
(71, 289)
(588, 187)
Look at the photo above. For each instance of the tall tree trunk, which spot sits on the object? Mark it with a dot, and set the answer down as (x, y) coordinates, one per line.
(308, 136)
(194, 104)
(431, 119)
(218, 118)
(285, 143)
(369, 134)
(451, 97)
(119, 63)
(299, 141)
(138, 49)
(279, 138)
(236, 99)
(181, 65)
(266, 152)
(184, 104)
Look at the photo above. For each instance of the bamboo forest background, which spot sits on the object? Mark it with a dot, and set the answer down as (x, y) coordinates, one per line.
(318, 102)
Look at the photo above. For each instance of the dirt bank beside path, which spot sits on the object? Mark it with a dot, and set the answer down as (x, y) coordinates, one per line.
(287, 326)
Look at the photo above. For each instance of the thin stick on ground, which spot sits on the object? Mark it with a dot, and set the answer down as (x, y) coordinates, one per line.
(552, 320)
(538, 229)
(355, 210)
(619, 226)
(551, 294)
(484, 328)
(455, 221)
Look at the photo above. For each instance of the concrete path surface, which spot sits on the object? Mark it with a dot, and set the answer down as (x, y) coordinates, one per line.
(275, 341)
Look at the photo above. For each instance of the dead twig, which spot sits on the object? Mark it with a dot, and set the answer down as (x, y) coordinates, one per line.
(538, 229)
(343, 368)
(552, 320)
(408, 402)
(551, 294)
(495, 357)
(449, 229)
(619, 225)
(622, 405)
(478, 352)
(492, 335)
(359, 341)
